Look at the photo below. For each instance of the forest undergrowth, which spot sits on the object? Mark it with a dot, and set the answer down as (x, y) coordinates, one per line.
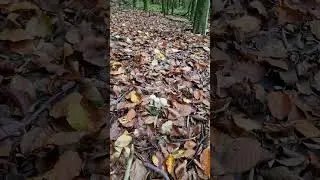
(160, 98)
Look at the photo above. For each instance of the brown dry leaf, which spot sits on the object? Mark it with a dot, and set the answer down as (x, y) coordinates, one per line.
(134, 97)
(78, 117)
(279, 172)
(244, 122)
(65, 138)
(67, 50)
(246, 24)
(60, 108)
(170, 162)
(243, 154)
(22, 6)
(205, 160)
(24, 85)
(279, 104)
(260, 7)
(73, 36)
(183, 109)
(129, 119)
(315, 28)
(189, 144)
(295, 161)
(93, 49)
(68, 167)
(251, 71)
(306, 128)
(150, 119)
(14, 35)
(39, 26)
(181, 171)
(138, 170)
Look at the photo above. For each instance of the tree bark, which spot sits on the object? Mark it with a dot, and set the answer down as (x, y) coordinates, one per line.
(201, 16)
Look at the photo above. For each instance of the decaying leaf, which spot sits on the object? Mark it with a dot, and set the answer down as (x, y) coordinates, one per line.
(77, 116)
(205, 160)
(123, 140)
(279, 104)
(306, 128)
(69, 159)
(246, 123)
(170, 162)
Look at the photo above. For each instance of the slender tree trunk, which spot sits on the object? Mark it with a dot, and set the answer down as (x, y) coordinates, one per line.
(163, 6)
(201, 16)
(172, 6)
(192, 6)
(145, 5)
(134, 4)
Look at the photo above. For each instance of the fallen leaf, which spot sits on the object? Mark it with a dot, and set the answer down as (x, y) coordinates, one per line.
(66, 138)
(306, 128)
(291, 161)
(260, 7)
(315, 28)
(170, 162)
(14, 35)
(279, 104)
(68, 159)
(166, 127)
(124, 140)
(134, 97)
(242, 154)
(181, 171)
(73, 36)
(246, 24)
(205, 160)
(128, 120)
(60, 108)
(77, 117)
(22, 6)
(138, 170)
(245, 122)
(155, 160)
(189, 144)
(39, 26)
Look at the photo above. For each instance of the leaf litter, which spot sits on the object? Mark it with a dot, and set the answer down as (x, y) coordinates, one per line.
(53, 89)
(160, 84)
(265, 93)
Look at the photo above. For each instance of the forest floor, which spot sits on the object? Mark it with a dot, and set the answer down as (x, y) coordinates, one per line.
(265, 55)
(160, 98)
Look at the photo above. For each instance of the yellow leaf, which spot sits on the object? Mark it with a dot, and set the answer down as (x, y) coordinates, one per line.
(155, 160)
(205, 161)
(170, 164)
(135, 97)
(77, 117)
(123, 140)
(178, 154)
(60, 108)
(22, 6)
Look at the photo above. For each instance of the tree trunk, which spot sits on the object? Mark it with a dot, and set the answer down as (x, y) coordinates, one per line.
(145, 5)
(172, 6)
(192, 9)
(163, 6)
(201, 16)
(134, 5)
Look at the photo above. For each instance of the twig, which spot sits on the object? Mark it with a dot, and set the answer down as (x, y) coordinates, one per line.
(122, 96)
(65, 90)
(197, 149)
(157, 170)
(129, 164)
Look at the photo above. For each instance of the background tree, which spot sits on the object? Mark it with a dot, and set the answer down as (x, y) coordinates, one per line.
(201, 16)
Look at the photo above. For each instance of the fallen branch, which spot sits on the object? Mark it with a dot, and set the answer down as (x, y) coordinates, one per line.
(129, 164)
(64, 91)
(157, 170)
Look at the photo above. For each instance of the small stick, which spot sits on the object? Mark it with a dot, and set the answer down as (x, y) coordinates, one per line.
(129, 165)
(28, 119)
(157, 170)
